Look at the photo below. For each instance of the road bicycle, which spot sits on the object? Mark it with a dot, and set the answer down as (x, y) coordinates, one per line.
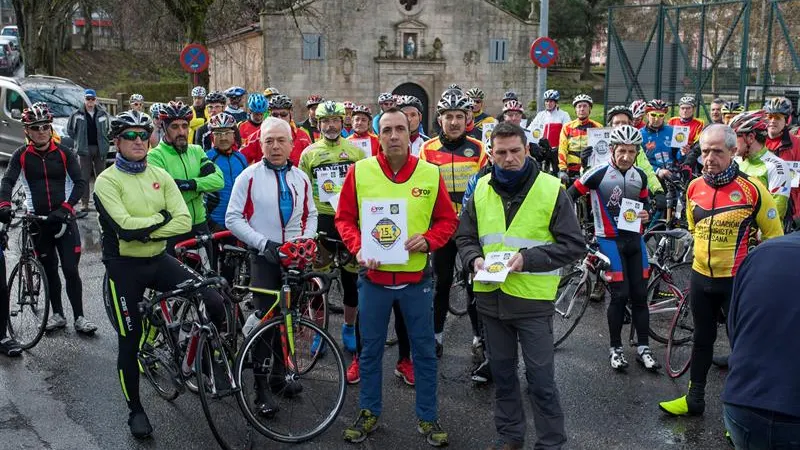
(28, 290)
(459, 300)
(279, 353)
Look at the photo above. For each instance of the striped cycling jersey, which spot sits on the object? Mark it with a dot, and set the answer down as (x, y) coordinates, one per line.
(608, 186)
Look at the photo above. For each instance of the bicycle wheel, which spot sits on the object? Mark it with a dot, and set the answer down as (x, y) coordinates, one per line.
(664, 293)
(335, 297)
(185, 313)
(29, 302)
(157, 361)
(458, 290)
(651, 240)
(679, 346)
(301, 415)
(218, 392)
(571, 302)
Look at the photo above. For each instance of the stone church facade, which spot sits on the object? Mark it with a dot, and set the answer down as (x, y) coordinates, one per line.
(355, 49)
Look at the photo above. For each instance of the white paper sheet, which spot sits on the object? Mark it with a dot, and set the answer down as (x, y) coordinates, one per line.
(487, 135)
(629, 219)
(598, 139)
(364, 144)
(495, 269)
(329, 183)
(680, 136)
(384, 230)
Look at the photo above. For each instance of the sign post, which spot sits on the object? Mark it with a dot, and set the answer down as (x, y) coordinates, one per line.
(194, 59)
(544, 53)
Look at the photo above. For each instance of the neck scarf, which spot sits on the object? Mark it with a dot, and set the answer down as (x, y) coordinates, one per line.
(131, 167)
(721, 179)
(511, 180)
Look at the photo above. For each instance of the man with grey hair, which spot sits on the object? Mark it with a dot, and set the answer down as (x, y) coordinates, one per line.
(720, 209)
(270, 204)
(715, 110)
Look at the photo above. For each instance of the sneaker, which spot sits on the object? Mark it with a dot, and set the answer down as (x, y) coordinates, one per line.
(729, 439)
(55, 322)
(349, 337)
(478, 354)
(140, 425)
(85, 326)
(482, 374)
(317, 346)
(353, 373)
(405, 370)
(264, 405)
(82, 213)
(617, 357)
(361, 428)
(10, 347)
(681, 406)
(646, 359)
(720, 361)
(439, 350)
(598, 293)
(433, 432)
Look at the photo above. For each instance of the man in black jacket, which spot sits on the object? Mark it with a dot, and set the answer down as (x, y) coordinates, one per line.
(520, 210)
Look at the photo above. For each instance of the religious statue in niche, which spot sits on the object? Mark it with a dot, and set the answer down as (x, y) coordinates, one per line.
(409, 4)
(347, 57)
(383, 47)
(437, 48)
(410, 46)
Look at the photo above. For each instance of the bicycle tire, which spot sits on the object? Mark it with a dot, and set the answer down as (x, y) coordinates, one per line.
(32, 275)
(185, 312)
(662, 300)
(329, 371)
(218, 392)
(335, 297)
(459, 300)
(679, 345)
(158, 364)
(314, 310)
(568, 313)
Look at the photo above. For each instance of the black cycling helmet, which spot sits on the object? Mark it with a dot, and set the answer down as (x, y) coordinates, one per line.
(216, 97)
(280, 101)
(127, 120)
(175, 111)
(778, 105)
(619, 109)
(409, 100)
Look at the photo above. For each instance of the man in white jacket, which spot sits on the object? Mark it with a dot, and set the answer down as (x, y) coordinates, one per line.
(271, 203)
(549, 120)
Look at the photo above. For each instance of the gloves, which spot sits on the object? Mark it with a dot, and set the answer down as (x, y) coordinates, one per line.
(60, 215)
(207, 169)
(536, 151)
(661, 201)
(186, 185)
(564, 177)
(545, 144)
(585, 155)
(166, 215)
(5, 214)
(270, 252)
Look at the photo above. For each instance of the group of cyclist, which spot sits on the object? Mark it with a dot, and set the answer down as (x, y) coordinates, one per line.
(215, 165)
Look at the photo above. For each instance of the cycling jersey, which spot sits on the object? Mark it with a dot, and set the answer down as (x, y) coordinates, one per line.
(300, 141)
(551, 123)
(721, 220)
(247, 129)
(457, 160)
(50, 179)
(367, 142)
(474, 132)
(239, 114)
(572, 141)
(203, 138)
(326, 164)
(773, 174)
(231, 164)
(192, 164)
(417, 139)
(257, 211)
(695, 127)
(608, 186)
(481, 118)
(653, 184)
(129, 207)
(787, 147)
(311, 130)
(656, 144)
(200, 118)
(346, 132)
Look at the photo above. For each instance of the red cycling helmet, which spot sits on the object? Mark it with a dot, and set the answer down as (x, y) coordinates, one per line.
(298, 253)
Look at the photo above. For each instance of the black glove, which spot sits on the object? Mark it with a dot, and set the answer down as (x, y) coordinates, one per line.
(186, 185)
(661, 201)
(270, 252)
(585, 155)
(536, 151)
(166, 215)
(564, 177)
(5, 214)
(59, 215)
(545, 144)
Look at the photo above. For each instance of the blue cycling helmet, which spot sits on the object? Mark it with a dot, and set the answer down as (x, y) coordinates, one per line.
(257, 103)
(235, 91)
(552, 94)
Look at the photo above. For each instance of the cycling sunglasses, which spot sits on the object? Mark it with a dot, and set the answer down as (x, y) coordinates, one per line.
(280, 114)
(132, 135)
(43, 127)
(656, 115)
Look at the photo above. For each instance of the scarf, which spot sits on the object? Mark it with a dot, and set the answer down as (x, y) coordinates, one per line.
(721, 179)
(130, 167)
(511, 180)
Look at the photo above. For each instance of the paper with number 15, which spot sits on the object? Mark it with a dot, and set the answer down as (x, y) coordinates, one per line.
(384, 230)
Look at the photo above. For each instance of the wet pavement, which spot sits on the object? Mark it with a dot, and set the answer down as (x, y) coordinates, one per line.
(64, 393)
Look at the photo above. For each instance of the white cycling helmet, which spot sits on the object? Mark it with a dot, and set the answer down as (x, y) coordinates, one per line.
(582, 98)
(687, 100)
(625, 134)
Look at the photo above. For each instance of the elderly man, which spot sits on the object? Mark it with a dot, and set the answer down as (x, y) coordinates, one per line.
(520, 210)
(88, 128)
(724, 207)
(430, 224)
(271, 202)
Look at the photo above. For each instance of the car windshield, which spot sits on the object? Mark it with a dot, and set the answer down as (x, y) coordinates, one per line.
(63, 100)
(9, 32)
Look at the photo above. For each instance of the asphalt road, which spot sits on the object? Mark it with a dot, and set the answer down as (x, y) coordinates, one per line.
(64, 394)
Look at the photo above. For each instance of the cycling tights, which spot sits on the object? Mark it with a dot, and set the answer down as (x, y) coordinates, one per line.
(628, 273)
(4, 299)
(128, 278)
(68, 247)
(444, 260)
(709, 298)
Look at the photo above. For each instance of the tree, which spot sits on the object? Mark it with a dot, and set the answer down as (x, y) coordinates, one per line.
(87, 8)
(192, 14)
(43, 26)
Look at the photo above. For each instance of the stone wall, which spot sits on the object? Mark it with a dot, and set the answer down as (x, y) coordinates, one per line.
(237, 62)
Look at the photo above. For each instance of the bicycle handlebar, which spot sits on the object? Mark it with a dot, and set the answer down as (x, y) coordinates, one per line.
(201, 239)
(325, 277)
(32, 217)
(599, 255)
(182, 288)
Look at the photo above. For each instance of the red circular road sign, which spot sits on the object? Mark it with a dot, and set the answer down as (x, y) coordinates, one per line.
(194, 58)
(544, 52)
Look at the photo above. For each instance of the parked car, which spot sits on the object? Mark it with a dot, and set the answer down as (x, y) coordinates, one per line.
(8, 60)
(61, 95)
(10, 30)
(11, 49)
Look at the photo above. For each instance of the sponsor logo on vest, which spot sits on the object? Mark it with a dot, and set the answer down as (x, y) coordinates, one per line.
(394, 208)
(419, 192)
(772, 213)
(469, 153)
(156, 186)
(735, 196)
(386, 233)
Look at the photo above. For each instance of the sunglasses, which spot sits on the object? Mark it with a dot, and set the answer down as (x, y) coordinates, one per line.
(775, 116)
(132, 135)
(45, 127)
(656, 115)
(222, 132)
(280, 114)
(91, 99)
(136, 104)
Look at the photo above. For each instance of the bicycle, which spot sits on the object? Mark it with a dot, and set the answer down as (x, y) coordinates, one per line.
(680, 342)
(28, 290)
(18, 206)
(282, 339)
(673, 218)
(334, 299)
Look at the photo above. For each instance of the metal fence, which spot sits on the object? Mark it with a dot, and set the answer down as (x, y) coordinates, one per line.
(737, 49)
